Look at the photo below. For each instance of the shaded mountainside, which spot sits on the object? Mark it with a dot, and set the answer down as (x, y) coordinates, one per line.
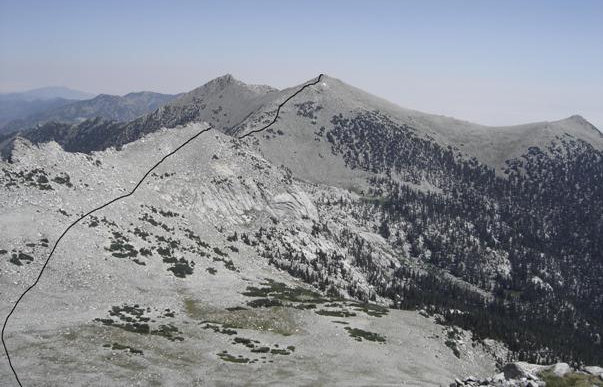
(531, 238)
(15, 106)
(492, 230)
(11, 110)
(525, 229)
(108, 107)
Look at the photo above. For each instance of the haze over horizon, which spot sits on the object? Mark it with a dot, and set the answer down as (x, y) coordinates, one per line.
(486, 62)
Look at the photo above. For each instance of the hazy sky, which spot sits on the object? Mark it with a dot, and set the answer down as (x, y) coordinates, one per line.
(493, 62)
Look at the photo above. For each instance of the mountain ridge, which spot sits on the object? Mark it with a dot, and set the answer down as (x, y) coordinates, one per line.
(242, 102)
(110, 107)
(321, 226)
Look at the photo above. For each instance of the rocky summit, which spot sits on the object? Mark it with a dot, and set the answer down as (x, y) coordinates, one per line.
(351, 242)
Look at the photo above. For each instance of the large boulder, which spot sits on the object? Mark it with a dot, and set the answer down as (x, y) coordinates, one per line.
(521, 369)
(514, 371)
(561, 369)
(593, 370)
(498, 378)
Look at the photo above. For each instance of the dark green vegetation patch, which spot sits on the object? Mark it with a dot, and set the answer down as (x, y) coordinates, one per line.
(308, 109)
(219, 329)
(228, 263)
(335, 313)
(120, 347)
(232, 359)
(265, 303)
(37, 178)
(360, 334)
(181, 268)
(340, 322)
(138, 320)
(278, 291)
(64, 179)
(120, 248)
(19, 258)
(372, 310)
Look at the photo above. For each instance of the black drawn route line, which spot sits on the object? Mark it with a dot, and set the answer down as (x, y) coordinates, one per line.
(123, 197)
(278, 109)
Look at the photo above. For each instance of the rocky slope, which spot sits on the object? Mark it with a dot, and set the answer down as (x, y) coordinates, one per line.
(345, 206)
(171, 285)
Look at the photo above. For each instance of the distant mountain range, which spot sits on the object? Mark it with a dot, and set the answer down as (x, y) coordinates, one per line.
(17, 109)
(46, 93)
(15, 106)
(298, 244)
(21, 111)
(109, 107)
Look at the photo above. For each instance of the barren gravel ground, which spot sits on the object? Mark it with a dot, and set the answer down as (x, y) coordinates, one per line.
(84, 323)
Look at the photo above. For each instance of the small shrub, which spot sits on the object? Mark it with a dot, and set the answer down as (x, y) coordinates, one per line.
(360, 334)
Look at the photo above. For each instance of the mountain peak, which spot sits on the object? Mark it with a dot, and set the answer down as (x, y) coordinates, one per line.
(226, 79)
(578, 119)
(579, 122)
(224, 83)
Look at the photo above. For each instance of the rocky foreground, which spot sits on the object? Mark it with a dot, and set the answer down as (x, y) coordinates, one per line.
(523, 374)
